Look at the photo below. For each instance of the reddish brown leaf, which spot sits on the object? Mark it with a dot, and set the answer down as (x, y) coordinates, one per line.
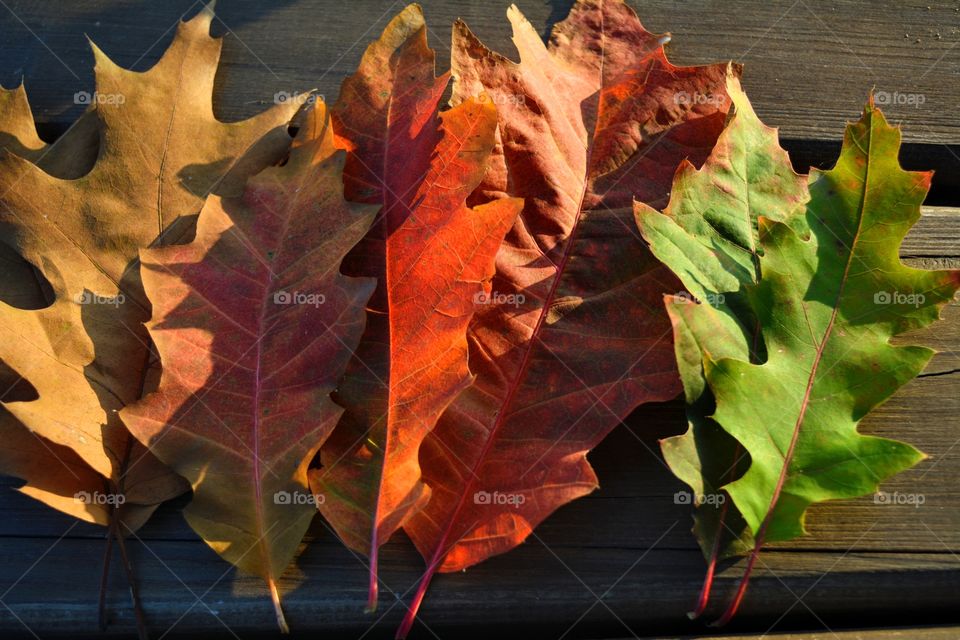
(254, 325)
(575, 335)
(432, 256)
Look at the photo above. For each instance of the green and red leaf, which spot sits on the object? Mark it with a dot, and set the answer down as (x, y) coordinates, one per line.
(708, 235)
(830, 295)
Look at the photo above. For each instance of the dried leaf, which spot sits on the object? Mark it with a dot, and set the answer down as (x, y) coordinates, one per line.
(254, 325)
(575, 335)
(432, 256)
(54, 474)
(72, 155)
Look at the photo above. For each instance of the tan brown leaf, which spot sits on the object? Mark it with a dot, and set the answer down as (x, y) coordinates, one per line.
(71, 156)
(161, 151)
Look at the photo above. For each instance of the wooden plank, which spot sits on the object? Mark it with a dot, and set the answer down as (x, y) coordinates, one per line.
(809, 65)
(942, 159)
(937, 234)
(538, 591)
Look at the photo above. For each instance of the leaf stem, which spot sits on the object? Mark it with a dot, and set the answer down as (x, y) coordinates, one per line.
(105, 576)
(741, 590)
(411, 615)
(142, 633)
(704, 598)
(277, 606)
(707, 587)
(374, 591)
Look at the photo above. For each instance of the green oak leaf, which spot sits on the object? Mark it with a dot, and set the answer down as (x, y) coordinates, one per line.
(708, 235)
(828, 305)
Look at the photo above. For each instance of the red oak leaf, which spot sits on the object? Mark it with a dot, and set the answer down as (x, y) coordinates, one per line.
(433, 258)
(575, 335)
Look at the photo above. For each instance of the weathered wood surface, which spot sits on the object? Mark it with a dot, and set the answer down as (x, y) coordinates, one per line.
(936, 235)
(620, 562)
(809, 63)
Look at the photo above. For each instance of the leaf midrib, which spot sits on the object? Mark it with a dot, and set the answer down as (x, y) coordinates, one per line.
(805, 403)
(441, 547)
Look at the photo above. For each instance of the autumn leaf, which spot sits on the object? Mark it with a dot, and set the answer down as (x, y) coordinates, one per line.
(433, 258)
(708, 235)
(827, 305)
(54, 474)
(72, 155)
(160, 151)
(254, 325)
(575, 335)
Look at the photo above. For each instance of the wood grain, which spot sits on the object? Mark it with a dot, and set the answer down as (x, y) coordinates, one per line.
(936, 235)
(809, 65)
(537, 591)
